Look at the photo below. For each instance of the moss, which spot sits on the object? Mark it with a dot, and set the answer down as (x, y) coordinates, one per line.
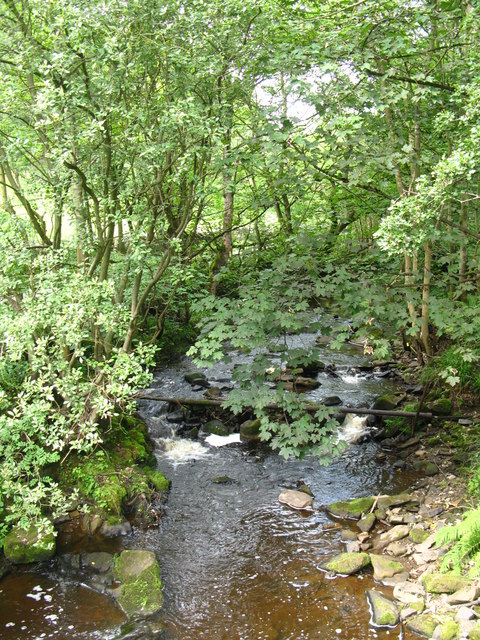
(441, 407)
(449, 630)
(418, 535)
(353, 509)
(347, 563)
(474, 634)
(158, 480)
(128, 441)
(24, 546)
(422, 625)
(384, 612)
(217, 428)
(444, 582)
(141, 584)
(116, 479)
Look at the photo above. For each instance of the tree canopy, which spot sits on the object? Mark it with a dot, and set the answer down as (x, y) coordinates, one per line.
(233, 163)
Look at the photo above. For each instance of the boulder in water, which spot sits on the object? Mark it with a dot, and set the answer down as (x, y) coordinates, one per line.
(141, 585)
(332, 401)
(217, 428)
(250, 430)
(385, 612)
(197, 378)
(346, 564)
(296, 499)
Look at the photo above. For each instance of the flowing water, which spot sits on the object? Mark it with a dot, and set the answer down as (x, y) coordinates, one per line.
(236, 564)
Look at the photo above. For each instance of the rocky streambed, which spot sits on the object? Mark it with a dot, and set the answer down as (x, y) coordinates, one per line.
(236, 562)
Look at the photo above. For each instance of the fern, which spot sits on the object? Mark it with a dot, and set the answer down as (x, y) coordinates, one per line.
(465, 537)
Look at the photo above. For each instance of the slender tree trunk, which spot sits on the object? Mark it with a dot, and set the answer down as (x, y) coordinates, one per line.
(427, 274)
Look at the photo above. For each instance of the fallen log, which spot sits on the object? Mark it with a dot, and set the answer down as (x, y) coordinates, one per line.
(311, 407)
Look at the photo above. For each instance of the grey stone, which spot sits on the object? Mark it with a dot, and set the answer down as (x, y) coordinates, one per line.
(465, 613)
(467, 594)
(393, 535)
(409, 592)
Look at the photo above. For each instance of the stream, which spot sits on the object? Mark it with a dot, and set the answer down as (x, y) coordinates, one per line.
(236, 564)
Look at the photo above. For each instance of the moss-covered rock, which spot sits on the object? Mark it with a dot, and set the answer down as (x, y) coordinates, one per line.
(24, 546)
(158, 480)
(448, 630)
(423, 625)
(350, 510)
(388, 402)
(250, 430)
(444, 582)
(347, 563)
(385, 613)
(118, 479)
(217, 428)
(384, 567)
(418, 535)
(441, 407)
(474, 634)
(141, 585)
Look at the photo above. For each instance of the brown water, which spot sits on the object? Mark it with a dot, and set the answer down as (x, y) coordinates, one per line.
(236, 564)
(35, 606)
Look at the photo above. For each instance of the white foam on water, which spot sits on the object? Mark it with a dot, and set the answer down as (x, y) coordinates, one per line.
(180, 450)
(349, 379)
(353, 428)
(220, 441)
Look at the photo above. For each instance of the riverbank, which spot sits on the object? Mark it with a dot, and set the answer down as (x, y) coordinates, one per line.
(420, 585)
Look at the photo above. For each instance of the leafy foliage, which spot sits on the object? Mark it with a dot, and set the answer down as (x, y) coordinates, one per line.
(465, 537)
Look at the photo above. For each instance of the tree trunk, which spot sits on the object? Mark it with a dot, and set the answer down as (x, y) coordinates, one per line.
(427, 274)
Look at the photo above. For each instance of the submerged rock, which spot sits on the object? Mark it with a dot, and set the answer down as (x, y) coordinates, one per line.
(114, 529)
(385, 612)
(141, 585)
(97, 561)
(347, 563)
(23, 546)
